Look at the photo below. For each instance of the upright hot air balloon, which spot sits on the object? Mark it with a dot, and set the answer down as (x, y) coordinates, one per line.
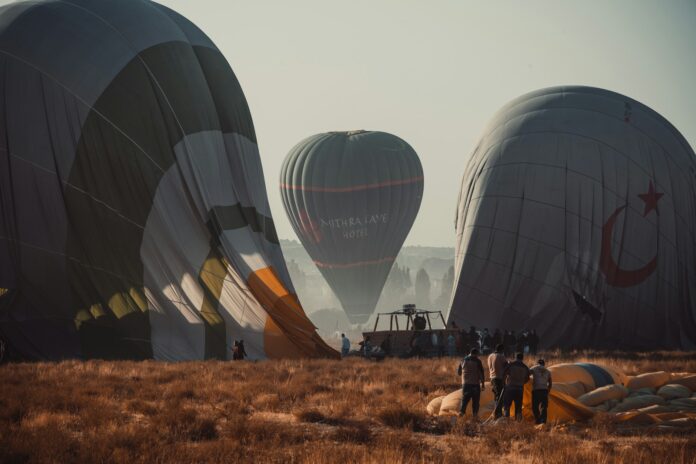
(577, 218)
(134, 221)
(352, 198)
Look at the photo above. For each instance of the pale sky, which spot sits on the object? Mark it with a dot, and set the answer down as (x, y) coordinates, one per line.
(435, 72)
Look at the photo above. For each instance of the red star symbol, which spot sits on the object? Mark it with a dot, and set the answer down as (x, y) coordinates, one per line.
(651, 198)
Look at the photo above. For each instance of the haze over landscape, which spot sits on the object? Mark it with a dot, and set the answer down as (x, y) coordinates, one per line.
(435, 74)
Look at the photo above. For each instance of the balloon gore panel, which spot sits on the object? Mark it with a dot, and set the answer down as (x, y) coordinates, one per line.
(352, 198)
(576, 217)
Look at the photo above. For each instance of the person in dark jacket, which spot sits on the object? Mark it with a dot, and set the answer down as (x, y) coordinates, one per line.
(533, 342)
(516, 376)
(473, 380)
(473, 337)
(521, 342)
(238, 351)
(512, 347)
(486, 342)
(497, 338)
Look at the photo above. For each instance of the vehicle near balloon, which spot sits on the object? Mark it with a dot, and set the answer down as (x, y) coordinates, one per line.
(351, 198)
(410, 333)
(576, 217)
(134, 222)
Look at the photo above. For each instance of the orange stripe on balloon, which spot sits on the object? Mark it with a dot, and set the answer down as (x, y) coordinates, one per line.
(288, 332)
(354, 188)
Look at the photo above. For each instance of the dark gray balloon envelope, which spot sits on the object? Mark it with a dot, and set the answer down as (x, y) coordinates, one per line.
(352, 198)
(134, 221)
(577, 218)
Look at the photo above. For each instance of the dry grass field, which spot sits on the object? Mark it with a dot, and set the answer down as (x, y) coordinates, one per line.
(296, 411)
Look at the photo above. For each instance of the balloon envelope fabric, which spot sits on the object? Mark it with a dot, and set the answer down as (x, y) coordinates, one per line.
(352, 198)
(576, 217)
(134, 221)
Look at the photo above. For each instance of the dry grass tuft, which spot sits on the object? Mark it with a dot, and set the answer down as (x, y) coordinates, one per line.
(299, 412)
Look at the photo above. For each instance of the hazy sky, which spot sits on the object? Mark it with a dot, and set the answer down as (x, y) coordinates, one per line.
(435, 72)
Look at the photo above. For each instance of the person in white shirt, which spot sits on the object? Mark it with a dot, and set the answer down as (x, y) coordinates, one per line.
(496, 366)
(541, 384)
(345, 345)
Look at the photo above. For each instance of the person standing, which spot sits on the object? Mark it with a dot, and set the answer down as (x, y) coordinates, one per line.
(451, 345)
(235, 351)
(345, 345)
(474, 338)
(366, 347)
(434, 341)
(533, 342)
(513, 343)
(486, 342)
(473, 378)
(516, 376)
(496, 369)
(497, 338)
(242, 351)
(541, 385)
(507, 342)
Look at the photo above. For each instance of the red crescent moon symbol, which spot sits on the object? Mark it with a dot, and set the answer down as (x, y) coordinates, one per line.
(616, 276)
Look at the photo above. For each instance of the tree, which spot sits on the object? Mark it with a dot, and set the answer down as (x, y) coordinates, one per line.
(422, 288)
(298, 277)
(442, 301)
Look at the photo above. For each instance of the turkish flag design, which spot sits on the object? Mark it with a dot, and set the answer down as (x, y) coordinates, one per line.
(615, 275)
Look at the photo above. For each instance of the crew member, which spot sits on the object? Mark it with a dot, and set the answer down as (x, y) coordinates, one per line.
(345, 345)
(541, 385)
(473, 378)
(496, 367)
(516, 375)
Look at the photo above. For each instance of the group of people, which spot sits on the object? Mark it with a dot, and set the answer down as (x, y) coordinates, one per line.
(525, 342)
(507, 379)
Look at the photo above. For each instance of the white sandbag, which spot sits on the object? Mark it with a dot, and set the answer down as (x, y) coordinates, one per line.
(574, 389)
(680, 422)
(651, 380)
(680, 375)
(604, 407)
(642, 391)
(433, 407)
(657, 409)
(452, 403)
(684, 403)
(611, 404)
(674, 391)
(688, 381)
(603, 394)
(638, 402)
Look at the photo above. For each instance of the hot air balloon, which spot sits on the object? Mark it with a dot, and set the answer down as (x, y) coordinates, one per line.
(134, 221)
(576, 217)
(351, 198)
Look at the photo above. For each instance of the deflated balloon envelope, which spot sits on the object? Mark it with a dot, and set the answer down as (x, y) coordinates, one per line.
(576, 217)
(352, 198)
(134, 221)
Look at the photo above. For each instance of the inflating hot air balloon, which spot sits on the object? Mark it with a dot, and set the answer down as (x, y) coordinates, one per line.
(577, 218)
(352, 198)
(134, 221)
